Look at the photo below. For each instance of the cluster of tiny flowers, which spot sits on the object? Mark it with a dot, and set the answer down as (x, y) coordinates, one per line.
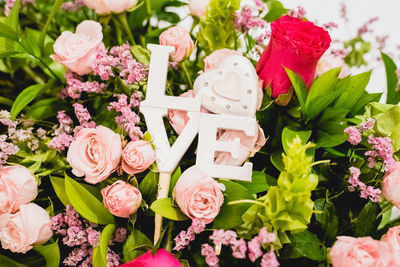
(298, 12)
(382, 149)
(246, 20)
(10, 3)
(81, 235)
(128, 118)
(62, 132)
(75, 87)
(354, 133)
(239, 247)
(330, 25)
(365, 27)
(185, 237)
(73, 5)
(120, 58)
(367, 192)
(83, 116)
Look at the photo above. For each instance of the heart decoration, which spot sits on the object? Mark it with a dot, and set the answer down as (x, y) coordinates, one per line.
(232, 88)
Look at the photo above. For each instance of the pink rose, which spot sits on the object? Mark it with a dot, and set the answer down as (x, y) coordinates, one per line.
(215, 58)
(109, 6)
(179, 38)
(295, 44)
(95, 153)
(162, 258)
(198, 195)
(391, 185)
(198, 8)
(77, 51)
(248, 146)
(30, 225)
(17, 186)
(362, 251)
(137, 156)
(179, 118)
(121, 198)
(392, 238)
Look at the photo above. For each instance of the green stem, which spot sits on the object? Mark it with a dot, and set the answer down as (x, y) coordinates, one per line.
(53, 11)
(168, 241)
(245, 201)
(189, 79)
(148, 6)
(32, 74)
(125, 25)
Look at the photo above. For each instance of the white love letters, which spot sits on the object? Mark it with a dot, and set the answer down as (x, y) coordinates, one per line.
(230, 91)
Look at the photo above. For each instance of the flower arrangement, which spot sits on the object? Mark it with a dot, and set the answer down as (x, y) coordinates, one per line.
(296, 163)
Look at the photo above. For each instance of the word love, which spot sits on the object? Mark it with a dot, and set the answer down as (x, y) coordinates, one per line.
(230, 92)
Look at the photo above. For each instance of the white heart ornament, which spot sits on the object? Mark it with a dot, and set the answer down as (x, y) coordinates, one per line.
(232, 88)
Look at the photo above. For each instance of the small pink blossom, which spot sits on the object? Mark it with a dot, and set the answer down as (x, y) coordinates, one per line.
(222, 237)
(185, 237)
(239, 248)
(75, 87)
(367, 125)
(354, 135)
(254, 249)
(73, 5)
(269, 259)
(210, 254)
(299, 12)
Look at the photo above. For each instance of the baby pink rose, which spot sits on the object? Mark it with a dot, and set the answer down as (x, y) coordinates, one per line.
(215, 58)
(107, 6)
(391, 185)
(392, 238)
(248, 146)
(121, 198)
(179, 118)
(362, 251)
(17, 186)
(137, 156)
(30, 225)
(77, 51)
(198, 195)
(198, 8)
(95, 153)
(179, 38)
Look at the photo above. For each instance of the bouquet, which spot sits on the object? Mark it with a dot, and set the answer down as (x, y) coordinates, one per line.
(200, 133)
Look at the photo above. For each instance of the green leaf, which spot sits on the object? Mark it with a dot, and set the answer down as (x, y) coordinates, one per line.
(363, 101)
(174, 179)
(164, 207)
(354, 90)
(276, 160)
(258, 183)
(388, 123)
(134, 245)
(385, 219)
(325, 139)
(148, 186)
(332, 114)
(24, 98)
(299, 88)
(393, 95)
(7, 262)
(289, 133)
(8, 33)
(328, 218)
(275, 11)
(13, 16)
(231, 215)
(45, 108)
(366, 220)
(323, 84)
(86, 204)
(141, 54)
(51, 254)
(59, 188)
(305, 244)
(100, 252)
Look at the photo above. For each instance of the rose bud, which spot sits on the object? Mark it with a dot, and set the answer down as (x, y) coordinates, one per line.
(77, 51)
(362, 251)
(95, 153)
(137, 156)
(198, 8)
(17, 186)
(106, 6)
(198, 195)
(121, 198)
(391, 185)
(295, 44)
(179, 38)
(30, 225)
(162, 258)
(215, 58)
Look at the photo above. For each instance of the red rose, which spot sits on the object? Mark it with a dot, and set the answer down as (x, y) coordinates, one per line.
(162, 258)
(295, 44)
